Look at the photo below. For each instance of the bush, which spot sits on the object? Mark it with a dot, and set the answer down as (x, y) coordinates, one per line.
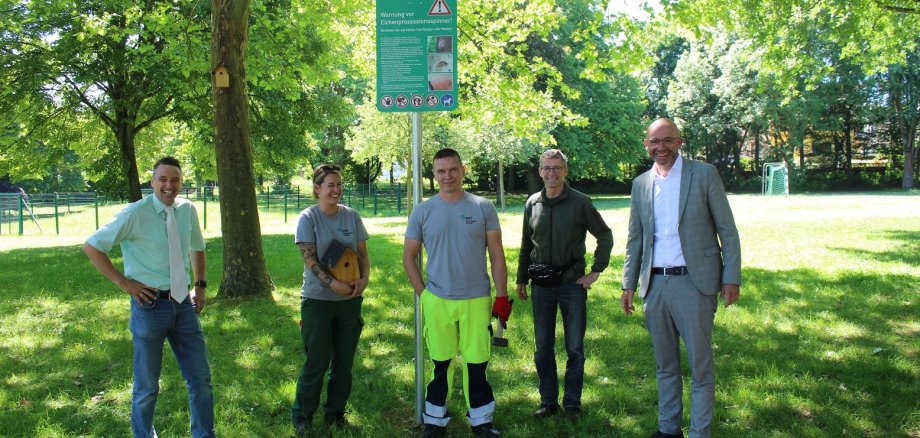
(820, 180)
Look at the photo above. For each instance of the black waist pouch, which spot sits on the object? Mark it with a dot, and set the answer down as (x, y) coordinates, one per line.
(544, 275)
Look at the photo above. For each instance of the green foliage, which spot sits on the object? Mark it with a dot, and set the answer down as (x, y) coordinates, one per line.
(65, 176)
(532, 78)
(110, 180)
(108, 80)
(497, 80)
(129, 65)
(614, 132)
(813, 180)
(902, 85)
(608, 104)
(121, 64)
(714, 96)
(299, 77)
(811, 66)
(872, 33)
(658, 78)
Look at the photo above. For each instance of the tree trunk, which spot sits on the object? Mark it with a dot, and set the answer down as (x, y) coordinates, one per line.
(736, 153)
(125, 132)
(245, 273)
(533, 180)
(908, 180)
(904, 99)
(802, 155)
(910, 155)
(756, 152)
(907, 125)
(838, 150)
(501, 184)
(848, 145)
(334, 149)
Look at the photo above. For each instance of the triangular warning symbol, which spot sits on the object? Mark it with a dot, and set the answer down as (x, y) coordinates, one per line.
(439, 8)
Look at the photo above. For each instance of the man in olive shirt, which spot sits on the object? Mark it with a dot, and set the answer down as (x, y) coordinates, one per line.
(556, 221)
(160, 237)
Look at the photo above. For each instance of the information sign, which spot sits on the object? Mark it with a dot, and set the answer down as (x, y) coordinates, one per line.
(416, 55)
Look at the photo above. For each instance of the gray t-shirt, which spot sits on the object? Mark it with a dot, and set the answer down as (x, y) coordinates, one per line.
(314, 226)
(454, 235)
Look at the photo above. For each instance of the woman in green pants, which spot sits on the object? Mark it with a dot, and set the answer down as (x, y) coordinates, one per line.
(330, 308)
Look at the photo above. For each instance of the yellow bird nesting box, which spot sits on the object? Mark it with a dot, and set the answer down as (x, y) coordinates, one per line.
(346, 269)
(221, 77)
(342, 262)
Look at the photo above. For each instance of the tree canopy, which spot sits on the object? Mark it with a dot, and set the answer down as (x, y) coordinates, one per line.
(108, 86)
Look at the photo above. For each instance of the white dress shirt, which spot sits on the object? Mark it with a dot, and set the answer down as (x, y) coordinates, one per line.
(666, 251)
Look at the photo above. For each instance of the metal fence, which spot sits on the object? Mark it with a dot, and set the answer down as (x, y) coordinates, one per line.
(17, 210)
(47, 213)
(368, 199)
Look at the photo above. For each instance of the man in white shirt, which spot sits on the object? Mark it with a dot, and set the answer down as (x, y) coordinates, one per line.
(682, 250)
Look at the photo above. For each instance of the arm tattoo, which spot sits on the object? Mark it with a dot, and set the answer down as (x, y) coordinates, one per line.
(308, 252)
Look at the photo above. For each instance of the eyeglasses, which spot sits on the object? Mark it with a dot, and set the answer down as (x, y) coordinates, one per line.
(667, 141)
(552, 169)
(329, 168)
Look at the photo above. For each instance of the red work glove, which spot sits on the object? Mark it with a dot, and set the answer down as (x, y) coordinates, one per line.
(501, 309)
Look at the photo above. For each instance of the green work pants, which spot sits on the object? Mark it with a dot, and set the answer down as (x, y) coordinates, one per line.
(330, 334)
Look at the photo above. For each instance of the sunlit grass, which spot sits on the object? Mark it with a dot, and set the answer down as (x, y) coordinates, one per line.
(824, 341)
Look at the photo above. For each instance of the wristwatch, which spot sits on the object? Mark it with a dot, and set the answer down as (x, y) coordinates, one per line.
(201, 283)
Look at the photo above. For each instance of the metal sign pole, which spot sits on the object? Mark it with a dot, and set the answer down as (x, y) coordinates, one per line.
(501, 182)
(416, 200)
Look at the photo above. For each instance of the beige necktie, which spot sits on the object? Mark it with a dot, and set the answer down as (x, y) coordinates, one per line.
(178, 276)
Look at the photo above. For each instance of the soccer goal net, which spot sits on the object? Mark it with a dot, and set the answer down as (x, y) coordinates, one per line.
(775, 179)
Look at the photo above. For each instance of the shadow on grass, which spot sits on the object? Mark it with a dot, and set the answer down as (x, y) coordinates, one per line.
(804, 353)
(907, 252)
(818, 355)
(58, 343)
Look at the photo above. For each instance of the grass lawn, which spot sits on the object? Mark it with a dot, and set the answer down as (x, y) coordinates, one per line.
(825, 340)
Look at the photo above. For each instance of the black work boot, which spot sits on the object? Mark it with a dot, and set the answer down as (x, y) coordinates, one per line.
(432, 431)
(546, 410)
(486, 430)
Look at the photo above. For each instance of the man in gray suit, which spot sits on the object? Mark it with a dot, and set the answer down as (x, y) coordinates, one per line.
(682, 250)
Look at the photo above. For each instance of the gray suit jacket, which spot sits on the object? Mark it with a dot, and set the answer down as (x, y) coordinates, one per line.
(708, 236)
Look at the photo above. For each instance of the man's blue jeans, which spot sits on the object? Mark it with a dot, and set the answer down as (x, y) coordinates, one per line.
(571, 299)
(150, 325)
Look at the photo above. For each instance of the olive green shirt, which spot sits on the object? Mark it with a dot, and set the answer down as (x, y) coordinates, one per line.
(555, 230)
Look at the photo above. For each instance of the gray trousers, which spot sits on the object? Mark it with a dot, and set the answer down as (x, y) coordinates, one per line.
(674, 308)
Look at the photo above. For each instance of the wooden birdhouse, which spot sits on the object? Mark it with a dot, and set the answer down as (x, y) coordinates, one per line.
(221, 76)
(342, 262)
(346, 268)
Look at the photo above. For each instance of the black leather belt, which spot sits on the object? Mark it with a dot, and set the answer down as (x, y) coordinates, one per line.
(676, 270)
(164, 295)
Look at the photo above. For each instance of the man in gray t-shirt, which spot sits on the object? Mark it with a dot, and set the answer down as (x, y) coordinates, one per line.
(457, 229)
(455, 239)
